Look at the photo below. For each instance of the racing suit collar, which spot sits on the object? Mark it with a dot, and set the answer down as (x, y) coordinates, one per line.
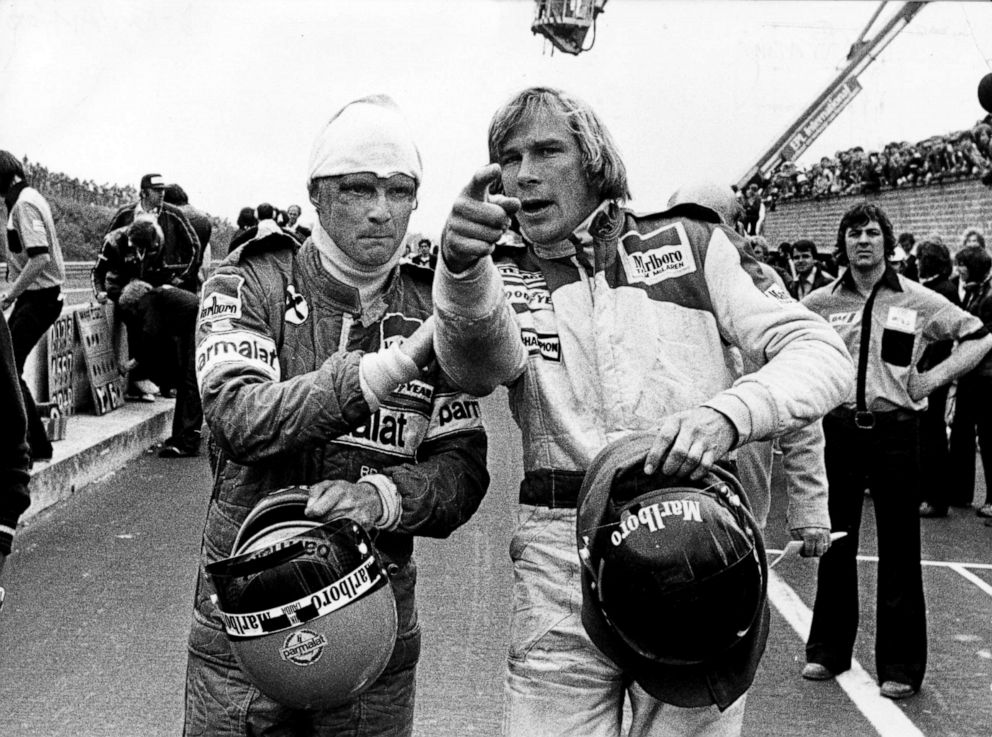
(370, 283)
(581, 236)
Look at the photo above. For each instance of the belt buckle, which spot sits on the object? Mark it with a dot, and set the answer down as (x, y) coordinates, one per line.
(864, 419)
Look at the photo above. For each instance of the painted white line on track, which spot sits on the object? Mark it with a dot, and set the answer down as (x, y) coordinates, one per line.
(887, 718)
(935, 563)
(972, 577)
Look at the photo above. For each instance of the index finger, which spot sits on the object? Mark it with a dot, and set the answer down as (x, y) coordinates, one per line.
(476, 189)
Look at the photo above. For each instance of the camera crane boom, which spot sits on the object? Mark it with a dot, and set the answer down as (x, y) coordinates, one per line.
(827, 106)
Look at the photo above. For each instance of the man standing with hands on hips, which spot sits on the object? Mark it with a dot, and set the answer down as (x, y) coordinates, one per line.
(873, 441)
(603, 323)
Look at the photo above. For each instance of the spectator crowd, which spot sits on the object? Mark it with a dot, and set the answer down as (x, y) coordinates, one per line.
(964, 154)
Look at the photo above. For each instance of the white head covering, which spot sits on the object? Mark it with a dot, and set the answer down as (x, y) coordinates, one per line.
(369, 134)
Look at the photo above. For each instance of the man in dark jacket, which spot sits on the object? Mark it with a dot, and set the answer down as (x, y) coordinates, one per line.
(180, 245)
(810, 274)
(933, 269)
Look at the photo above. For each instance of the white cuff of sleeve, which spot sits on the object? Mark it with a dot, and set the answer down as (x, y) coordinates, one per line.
(382, 372)
(392, 506)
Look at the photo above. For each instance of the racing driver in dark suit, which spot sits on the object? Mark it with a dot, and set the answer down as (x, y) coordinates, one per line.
(310, 361)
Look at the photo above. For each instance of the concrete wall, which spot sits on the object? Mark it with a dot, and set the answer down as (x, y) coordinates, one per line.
(946, 209)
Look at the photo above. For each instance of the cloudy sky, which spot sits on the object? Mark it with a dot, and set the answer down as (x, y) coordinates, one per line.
(225, 97)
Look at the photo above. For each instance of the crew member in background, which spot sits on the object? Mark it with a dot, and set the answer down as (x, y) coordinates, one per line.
(35, 273)
(872, 441)
(933, 270)
(810, 274)
(297, 229)
(330, 395)
(133, 252)
(200, 222)
(181, 251)
(164, 319)
(15, 454)
(602, 323)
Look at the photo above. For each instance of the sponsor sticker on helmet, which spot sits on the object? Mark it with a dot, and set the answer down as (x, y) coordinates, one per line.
(653, 516)
(303, 647)
(337, 595)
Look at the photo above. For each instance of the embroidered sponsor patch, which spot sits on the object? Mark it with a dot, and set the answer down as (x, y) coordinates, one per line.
(416, 390)
(393, 431)
(902, 319)
(779, 294)
(454, 413)
(670, 259)
(221, 299)
(525, 289)
(844, 318)
(396, 327)
(297, 309)
(250, 350)
(545, 345)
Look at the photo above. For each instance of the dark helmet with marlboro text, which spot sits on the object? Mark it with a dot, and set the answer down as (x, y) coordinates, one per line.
(674, 577)
(307, 607)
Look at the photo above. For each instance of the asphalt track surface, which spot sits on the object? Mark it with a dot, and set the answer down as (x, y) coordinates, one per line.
(92, 640)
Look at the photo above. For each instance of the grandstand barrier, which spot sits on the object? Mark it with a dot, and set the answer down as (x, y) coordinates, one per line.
(946, 208)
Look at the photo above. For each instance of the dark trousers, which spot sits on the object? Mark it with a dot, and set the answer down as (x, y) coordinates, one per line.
(972, 411)
(187, 418)
(934, 454)
(34, 312)
(884, 459)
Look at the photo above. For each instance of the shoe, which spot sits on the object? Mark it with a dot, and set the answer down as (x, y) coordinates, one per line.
(984, 511)
(133, 395)
(817, 672)
(145, 386)
(176, 451)
(896, 690)
(929, 510)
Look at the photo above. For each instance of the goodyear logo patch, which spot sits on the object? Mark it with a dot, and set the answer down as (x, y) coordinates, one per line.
(415, 390)
(455, 413)
(393, 431)
(250, 350)
(671, 258)
(221, 299)
(545, 345)
(525, 289)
